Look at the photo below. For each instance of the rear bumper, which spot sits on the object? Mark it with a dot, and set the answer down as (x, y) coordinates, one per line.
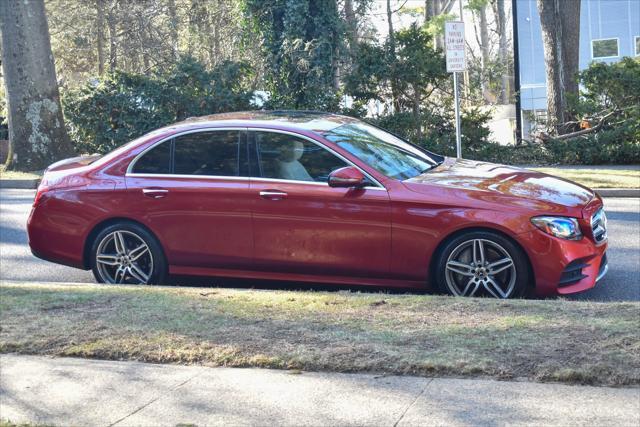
(54, 235)
(563, 267)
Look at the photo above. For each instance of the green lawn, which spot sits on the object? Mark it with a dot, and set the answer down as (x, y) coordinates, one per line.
(598, 178)
(17, 175)
(551, 340)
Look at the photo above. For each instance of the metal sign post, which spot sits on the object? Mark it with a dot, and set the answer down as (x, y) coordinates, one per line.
(456, 61)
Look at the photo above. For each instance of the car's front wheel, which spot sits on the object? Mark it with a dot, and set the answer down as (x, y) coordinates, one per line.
(127, 253)
(482, 263)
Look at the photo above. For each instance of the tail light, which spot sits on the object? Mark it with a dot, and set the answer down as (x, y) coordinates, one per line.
(42, 188)
(54, 181)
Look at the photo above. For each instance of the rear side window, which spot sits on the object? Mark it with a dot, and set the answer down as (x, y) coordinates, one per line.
(203, 153)
(157, 160)
(207, 153)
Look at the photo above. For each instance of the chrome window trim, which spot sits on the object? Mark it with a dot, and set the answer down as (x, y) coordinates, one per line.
(292, 181)
(378, 186)
(173, 175)
(175, 135)
(236, 178)
(129, 172)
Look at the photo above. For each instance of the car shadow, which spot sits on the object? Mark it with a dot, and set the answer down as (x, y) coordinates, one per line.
(208, 282)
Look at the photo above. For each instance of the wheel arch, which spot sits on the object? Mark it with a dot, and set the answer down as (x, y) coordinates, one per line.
(97, 228)
(458, 232)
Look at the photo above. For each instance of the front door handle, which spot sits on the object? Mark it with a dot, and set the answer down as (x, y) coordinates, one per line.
(155, 193)
(273, 194)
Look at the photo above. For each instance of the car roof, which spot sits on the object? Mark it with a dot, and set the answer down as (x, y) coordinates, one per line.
(315, 121)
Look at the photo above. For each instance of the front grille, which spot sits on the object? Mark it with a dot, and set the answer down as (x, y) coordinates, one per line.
(599, 226)
(572, 273)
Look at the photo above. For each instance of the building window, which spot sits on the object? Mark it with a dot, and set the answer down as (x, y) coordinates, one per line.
(604, 48)
(637, 45)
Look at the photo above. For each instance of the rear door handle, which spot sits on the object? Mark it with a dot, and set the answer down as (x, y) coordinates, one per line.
(273, 194)
(155, 193)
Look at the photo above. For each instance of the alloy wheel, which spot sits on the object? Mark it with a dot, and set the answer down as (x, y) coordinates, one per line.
(124, 257)
(480, 267)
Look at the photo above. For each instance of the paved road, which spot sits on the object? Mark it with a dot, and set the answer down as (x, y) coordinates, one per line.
(67, 391)
(621, 283)
(16, 260)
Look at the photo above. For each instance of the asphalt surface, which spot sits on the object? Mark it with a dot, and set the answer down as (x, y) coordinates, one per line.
(622, 283)
(53, 391)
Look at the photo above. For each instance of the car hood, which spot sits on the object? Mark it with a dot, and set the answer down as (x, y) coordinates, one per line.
(505, 181)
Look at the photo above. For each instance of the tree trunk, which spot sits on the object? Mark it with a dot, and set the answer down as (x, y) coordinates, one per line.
(503, 52)
(113, 36)
(428, 10)
(352, 27)
(392, 53)
(173, 27)
(484, 50)
(100, 35)
(439, 39)
(416, 113)
(218, 18)
(36, 128)
(560, 22)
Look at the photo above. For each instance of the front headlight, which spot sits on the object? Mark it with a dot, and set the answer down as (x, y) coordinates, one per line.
(559, 226)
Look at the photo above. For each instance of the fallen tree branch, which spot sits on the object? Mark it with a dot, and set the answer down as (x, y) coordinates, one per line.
(544, 137)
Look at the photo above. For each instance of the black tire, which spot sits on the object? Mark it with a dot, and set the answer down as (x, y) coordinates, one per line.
(466, 275)
(155, 270)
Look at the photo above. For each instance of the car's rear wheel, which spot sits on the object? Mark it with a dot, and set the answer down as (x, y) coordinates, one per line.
(482, 263)
(127, 253)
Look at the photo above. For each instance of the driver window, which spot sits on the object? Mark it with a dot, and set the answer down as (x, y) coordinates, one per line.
(282, 156)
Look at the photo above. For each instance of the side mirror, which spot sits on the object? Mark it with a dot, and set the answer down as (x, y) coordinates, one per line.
(347, 177)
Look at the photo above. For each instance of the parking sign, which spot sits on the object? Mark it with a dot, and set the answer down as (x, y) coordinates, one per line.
(454, 46)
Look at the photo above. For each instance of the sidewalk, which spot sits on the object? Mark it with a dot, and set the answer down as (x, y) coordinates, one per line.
(55, 391)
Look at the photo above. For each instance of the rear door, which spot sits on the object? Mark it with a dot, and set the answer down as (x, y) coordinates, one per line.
(303, 226)
(193, 191)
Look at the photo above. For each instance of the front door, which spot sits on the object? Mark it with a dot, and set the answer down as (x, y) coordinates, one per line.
(191, 193)
(303, 226)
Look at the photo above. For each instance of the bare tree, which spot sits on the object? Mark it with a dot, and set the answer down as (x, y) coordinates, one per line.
(560, 22)
(392, 52)
(113, 35)
(428, 10)
(484, 48)
(501, 24)
(100, 34)
(36, 128)
(173, 26)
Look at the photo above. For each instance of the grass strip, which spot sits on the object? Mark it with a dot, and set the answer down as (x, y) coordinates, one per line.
(5, 174)
(549, 340)
(598, 178)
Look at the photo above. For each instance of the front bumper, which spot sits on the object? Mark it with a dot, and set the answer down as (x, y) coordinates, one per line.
(563, 267)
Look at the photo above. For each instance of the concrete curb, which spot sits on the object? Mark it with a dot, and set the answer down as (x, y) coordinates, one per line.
(618, 192)
(24, 184)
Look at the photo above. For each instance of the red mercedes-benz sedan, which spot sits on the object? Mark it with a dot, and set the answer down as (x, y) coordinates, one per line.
(316, 197)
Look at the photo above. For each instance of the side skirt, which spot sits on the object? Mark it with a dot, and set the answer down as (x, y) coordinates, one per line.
(263, 275)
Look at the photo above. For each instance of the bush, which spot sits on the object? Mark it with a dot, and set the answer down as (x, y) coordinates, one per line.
(120, 107)
(619, 145)
(610, 104)
(608, 88)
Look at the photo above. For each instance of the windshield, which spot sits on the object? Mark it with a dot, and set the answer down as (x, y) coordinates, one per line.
(381, 150)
